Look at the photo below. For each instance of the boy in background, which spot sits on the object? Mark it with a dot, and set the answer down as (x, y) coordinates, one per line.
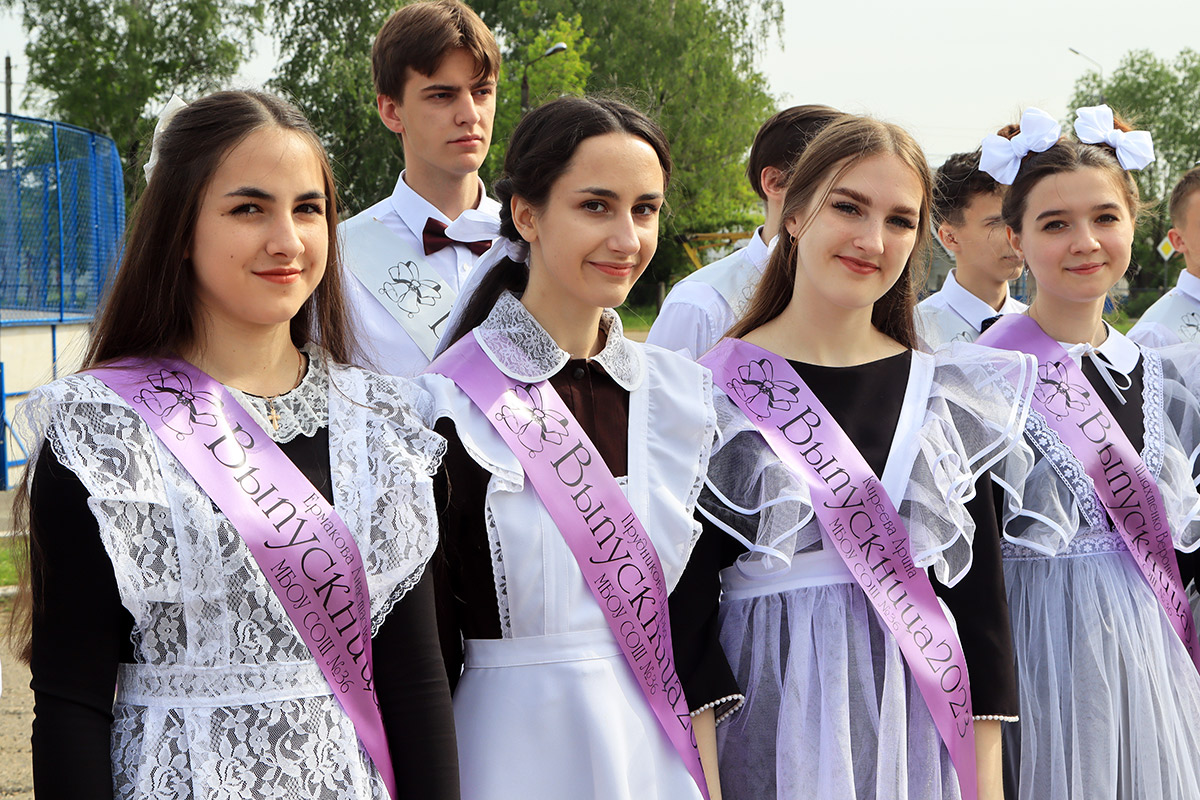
(706, 303)
(1175, 317)
(434, 66)
(966, 210)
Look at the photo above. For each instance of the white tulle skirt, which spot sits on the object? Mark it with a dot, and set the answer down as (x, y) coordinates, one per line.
(560, 717)
(1110, 701)
(831, 710)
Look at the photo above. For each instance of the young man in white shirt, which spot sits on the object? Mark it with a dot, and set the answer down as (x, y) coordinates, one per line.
(434, 66)
(705, 304)
(966, 209)
(1175, 317)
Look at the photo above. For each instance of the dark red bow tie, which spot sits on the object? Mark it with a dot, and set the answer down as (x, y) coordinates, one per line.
(434, 238)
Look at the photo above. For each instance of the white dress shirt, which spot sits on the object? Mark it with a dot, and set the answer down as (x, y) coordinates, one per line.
(696, 314)
(1174, 317)
(387, 346)
(953, 314)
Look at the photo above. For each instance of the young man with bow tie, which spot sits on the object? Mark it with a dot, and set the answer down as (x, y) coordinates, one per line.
(434, 66)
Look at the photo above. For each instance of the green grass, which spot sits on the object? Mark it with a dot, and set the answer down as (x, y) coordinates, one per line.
(637, 318)
(8, 570)
(640, 318)
(1120, 320)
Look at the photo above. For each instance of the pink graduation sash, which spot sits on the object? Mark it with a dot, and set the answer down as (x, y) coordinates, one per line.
(1121, 479)
(304, 549)
(864, 527)
(613, 550)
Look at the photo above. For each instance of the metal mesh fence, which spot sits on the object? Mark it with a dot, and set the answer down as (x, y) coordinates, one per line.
(62, 215)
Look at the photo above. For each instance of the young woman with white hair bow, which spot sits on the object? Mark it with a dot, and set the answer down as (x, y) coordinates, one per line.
(1105, 643)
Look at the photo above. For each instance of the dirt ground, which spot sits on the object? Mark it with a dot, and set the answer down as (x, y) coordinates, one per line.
(16, 701)
(16, 715)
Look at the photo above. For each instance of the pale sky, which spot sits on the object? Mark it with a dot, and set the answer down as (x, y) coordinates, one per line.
(952, 72)
(949, 71)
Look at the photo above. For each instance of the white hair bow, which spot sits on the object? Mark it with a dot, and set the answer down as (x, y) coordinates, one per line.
(474, 226)
(164, 119)
(1094, 125)
(1001, 158)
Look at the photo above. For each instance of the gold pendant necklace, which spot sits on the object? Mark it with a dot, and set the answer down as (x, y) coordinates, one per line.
(273, 414)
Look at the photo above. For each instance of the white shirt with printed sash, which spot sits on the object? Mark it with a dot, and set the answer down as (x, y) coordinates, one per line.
(404, 213)
(953, 314)
(1174, 318)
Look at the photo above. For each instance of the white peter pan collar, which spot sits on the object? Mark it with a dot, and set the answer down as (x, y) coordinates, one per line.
(415, 210)
(970, 307)
(520, 347)
(1115, 359)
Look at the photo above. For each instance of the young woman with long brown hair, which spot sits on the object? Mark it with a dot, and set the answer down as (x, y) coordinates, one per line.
(567, 498)
(852, 523)
(240, 646)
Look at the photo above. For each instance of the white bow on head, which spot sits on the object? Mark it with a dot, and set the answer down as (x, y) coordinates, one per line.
(164, 119)
(1001, 158)
(1094, 125)
(473, 226)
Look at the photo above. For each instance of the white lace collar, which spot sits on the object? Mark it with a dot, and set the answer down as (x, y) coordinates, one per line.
(302, 411)
(970, 307)
(520, 347)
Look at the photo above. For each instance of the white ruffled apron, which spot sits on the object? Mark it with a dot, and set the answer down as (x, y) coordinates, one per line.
(551, 710)
(225, 699)
(831, 709)
(561, 716)
(1110, 700)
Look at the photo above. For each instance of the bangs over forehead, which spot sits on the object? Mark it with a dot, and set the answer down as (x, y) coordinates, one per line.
(421, 35)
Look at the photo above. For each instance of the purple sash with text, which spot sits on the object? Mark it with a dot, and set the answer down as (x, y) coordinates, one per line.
(304, 549)
(864, 526)
(1121, 479)
(613, 550)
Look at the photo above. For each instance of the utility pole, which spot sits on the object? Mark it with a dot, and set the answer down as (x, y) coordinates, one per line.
(8, 163)
(551, 50)
(8, 145)
(1099, 67)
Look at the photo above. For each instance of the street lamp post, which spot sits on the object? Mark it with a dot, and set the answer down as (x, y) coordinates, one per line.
(553, 49)
(1099, 68)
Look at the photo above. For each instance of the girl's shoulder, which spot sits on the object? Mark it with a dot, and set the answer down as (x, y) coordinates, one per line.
(81, 398)
(983, 381)
(971, 358)
(376, 389)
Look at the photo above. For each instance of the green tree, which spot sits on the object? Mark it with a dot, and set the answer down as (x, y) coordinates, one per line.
(325, 68)
(691, 64)
(109, 66)
(325, 47)
(1162, 97)
(549, 77)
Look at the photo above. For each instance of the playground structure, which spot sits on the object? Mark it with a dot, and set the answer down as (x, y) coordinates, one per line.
(693, 243)
(62, 216)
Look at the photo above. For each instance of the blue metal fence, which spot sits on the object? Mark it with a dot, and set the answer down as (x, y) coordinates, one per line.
(62, 215)
(62, 218)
